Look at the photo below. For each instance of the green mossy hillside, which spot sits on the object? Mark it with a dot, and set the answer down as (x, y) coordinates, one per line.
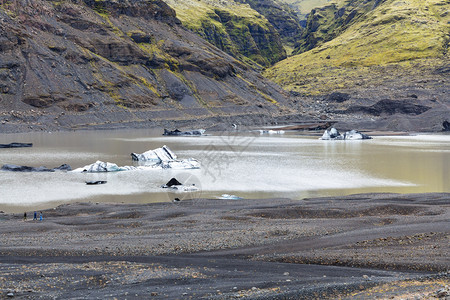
(329, 21)
(393, 38)
(282, 17)
(233, 27)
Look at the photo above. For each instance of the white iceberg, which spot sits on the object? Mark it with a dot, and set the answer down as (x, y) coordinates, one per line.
(271, 131)
(157, 155)
(229, 197)
(189, 163)
(333, 134)
(356, 135)
(160, 158)
(100, 166)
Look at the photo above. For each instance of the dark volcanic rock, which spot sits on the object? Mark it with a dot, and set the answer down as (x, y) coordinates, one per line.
(281, 16)
(240, 36)
(16, 145)
(15, 168)
(446, 126)
(177, 132)
(337, 97)
(390, 107)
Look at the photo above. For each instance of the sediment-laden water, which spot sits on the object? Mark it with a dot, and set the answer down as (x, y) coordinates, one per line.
(246, 164)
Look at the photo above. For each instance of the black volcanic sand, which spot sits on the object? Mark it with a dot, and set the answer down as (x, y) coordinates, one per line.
(358, 247)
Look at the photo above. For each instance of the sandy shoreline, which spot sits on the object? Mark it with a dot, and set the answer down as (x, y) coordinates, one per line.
(225, 249)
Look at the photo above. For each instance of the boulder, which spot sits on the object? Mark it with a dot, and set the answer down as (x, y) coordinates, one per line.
(337, 97)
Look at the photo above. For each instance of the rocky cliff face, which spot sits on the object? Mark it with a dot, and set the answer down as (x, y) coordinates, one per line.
(282, 17)
(70, 64)
(233, 27)
(330, 20)
(304, 7)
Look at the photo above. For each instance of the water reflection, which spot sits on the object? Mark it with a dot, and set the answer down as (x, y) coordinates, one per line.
(245, 164)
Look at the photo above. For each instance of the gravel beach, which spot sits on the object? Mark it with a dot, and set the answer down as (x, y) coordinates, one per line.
(337, 247)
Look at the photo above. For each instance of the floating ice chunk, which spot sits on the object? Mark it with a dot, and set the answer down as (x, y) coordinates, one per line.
(333, 134)
(157, 155)
(160, 158)
(229, 197)
(189, 163)
(183, 188)
(176, 132)
(100, 166)
(175, 186)
(271, 131)
(356, 135)
(164, 158)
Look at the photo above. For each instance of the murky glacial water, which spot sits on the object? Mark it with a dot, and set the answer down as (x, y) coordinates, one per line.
(247, 164)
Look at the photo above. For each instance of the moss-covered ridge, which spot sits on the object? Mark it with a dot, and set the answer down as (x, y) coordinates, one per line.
(282, 17)
(383, 40)
(328, 21)
(233, 27)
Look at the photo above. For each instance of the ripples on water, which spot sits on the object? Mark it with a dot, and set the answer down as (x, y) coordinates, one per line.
(249, 165)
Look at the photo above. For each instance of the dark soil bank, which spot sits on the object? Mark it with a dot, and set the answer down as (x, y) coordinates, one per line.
(389, 245)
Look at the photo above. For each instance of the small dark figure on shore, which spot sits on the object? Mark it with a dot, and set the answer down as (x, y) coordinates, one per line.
(40, 216)
(25, 216)
(35, 216)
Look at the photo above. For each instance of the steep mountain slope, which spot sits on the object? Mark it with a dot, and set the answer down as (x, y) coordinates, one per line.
(282, 17)
(373, 50)
(407, 36)
(233, 27)
(304, 7)
(70, 64)
(329, 21)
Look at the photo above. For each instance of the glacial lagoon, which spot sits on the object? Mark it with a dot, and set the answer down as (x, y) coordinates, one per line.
(246, 164)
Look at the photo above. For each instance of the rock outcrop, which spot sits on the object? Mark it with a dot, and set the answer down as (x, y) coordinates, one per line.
(283, 18)
(234, 28)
